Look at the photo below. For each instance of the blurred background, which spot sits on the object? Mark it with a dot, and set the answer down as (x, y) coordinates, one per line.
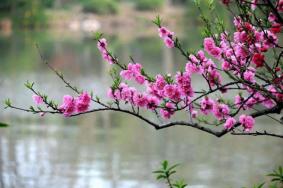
(108, 150)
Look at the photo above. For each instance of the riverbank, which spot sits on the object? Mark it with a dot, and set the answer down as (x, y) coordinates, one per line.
(128, 22)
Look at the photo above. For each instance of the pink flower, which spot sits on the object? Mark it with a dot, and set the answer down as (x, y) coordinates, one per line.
(127, 93)
(226, 66)
(208, 44)
(133, 71)
(229, 123)
(220, 111)
(140, 79)
(240, 51)
(254, 4)
(270, 39)
(247, 122)
(171, 91)
(83, 102)
(193, 68)
(107, 57)
(216, 52)
(139, 100)
(268, 103)
(168, 111)
(110, 93)
(193, 59)
(272, 18)
(102, 45)
(211, 48)
(201, 55)
(160, 82)
(184, 83)
(126, 74)
(167, 36)
(214, 78)
(69, 106)
(37, 99)
(239, 101)
(206, 105)
(165, 114)
(163, 32)
(249, 75)
(194, 113)
(169, 42)
(152, 102)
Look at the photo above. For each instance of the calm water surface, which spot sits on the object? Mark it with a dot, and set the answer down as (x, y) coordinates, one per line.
(109, 150)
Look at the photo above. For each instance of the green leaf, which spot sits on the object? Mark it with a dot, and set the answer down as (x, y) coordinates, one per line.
(280, 170)
(172, 167)
(275, 179)
(2, 125)
(8, 103)
(97, 35)
(160, 177)
(31, 108)
(197, 2)
(29, 85)
(261, 185)
(165, 164)
(172, 172)
(211, 4)
(158, 171)
(180, 184)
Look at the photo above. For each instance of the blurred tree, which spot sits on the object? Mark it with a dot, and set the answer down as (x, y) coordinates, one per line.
(149, 4)
(25, 13)
(99, 6)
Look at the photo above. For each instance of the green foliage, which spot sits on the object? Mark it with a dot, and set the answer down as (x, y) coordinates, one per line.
(149, 4)
(100, 7)
(5, 4)
(28, 13)
(165, 173)
(48, 3)
(277, 175)
(277, 179)
(29, 85)
(157, 21)
(258, 186)
(97, 36)
(116, 78)
(3, 125)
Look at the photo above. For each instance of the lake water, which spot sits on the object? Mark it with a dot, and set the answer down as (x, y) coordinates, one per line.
(110, 150)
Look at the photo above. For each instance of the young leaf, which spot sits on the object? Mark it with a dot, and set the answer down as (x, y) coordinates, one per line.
(8, 103)
(97, 35)
(165, 164)
(157, 21)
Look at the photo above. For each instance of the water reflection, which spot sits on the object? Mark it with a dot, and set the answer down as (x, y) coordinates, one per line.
(109, 150)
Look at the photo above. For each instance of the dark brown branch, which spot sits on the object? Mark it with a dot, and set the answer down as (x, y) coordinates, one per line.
(257, 133)
(276, 109)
